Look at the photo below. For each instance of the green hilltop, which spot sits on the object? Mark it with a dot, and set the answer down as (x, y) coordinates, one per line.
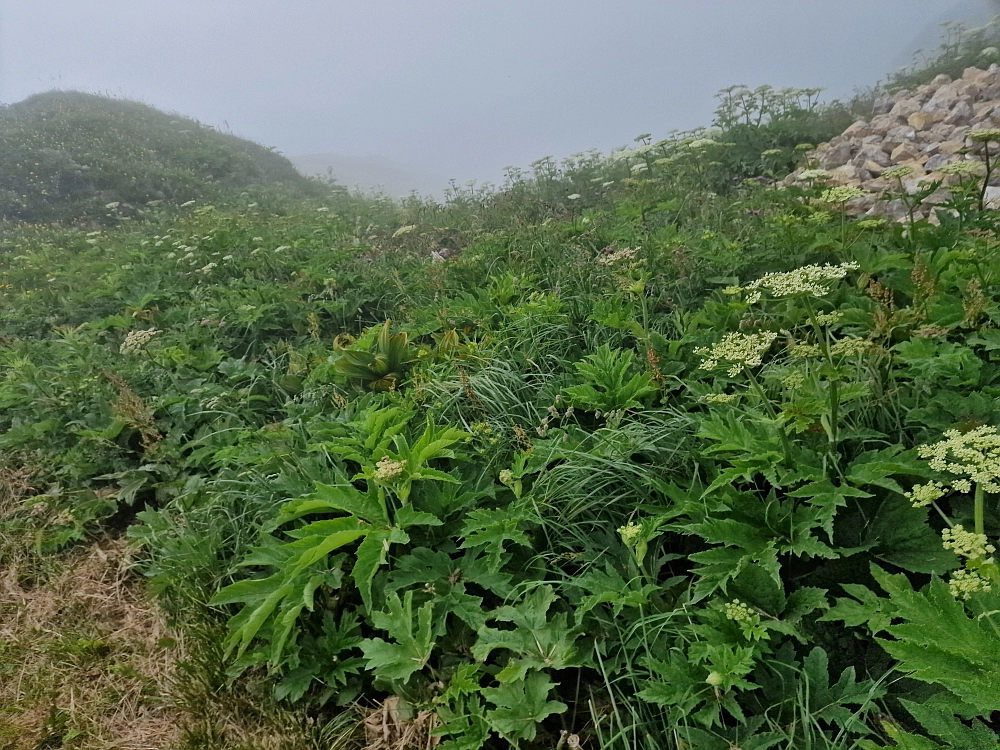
(65, 155)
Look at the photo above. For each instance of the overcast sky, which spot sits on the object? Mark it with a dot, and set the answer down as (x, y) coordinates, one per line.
(453, 88)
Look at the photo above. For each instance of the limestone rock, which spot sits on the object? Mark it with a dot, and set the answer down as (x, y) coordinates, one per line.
(924, 129)
(884, 123)
(904, 152)
(836, 156)
(961, 114)
(924, 120)
(860, 129)
(905, 108)
(872, 153)
(874, 167)
(883, 104)
(938, 161)
(992, 200)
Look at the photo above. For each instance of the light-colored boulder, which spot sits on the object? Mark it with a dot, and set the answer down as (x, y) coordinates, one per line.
(884, 123)
(938, 161)
(950, 147)
(992, 199)
(905, 151)
(846, 173)
(883, 104)
(924, 120)
(874, 167)
(905, 108)
(974, 75)
(836, 156)
(942, 101)
(871, 153)
(859, 129)
(876, 185)
(897, 136)
(982, 109)
(961, 113)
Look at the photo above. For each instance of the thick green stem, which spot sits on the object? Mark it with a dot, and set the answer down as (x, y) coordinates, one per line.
(979, 510)
(834, 434)
(774, 415)
(986, 179)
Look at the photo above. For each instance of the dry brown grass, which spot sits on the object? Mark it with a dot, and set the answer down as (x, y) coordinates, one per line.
(85, 659)
(392, 726)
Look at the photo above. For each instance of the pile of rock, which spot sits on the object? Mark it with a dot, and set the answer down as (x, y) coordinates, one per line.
(924, 130)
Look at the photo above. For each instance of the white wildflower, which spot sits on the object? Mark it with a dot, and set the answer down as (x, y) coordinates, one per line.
(738, 350)
(136, 341)
(967, 543)
(812, 280)
(630, 533)
(972, 456)
(388, 469)
(841, 194)
(965, 583)
(922, 495)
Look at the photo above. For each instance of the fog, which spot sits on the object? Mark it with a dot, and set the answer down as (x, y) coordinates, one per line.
(409, 94)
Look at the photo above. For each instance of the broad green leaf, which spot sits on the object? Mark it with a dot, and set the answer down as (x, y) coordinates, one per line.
(536, 642)
(492, 529)
(521, 706)
(372, 554)
(414, 641)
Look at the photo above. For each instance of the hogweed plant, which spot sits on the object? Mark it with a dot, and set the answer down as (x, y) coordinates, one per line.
(984, 138)
(973, 458)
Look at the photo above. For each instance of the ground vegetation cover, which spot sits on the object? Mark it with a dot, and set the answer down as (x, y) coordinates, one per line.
(641, 451)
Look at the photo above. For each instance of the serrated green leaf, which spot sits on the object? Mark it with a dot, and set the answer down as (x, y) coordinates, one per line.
(521, 706)
(414, 642)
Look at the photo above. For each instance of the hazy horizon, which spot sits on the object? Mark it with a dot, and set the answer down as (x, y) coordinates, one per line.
(420, 93)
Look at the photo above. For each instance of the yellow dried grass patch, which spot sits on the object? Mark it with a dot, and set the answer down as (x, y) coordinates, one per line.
(84, 657)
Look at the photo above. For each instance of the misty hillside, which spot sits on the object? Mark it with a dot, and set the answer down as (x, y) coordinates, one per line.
(66, 155)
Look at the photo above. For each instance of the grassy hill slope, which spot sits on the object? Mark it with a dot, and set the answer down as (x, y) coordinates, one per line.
(66, 155)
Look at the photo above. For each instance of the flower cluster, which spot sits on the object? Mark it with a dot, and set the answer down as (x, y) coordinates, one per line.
(630, 533)
(740, 612)
(811, 280)
(739, 350)
(507, 477)
(965, 583)
(721, 398)
(922, 495)
(136, 341)
(898, 173)
(850, 347)
(805, 351)
(870, 223)
(618, 257)
(388, 469)
(828, 319)
(973, 456)
(967, 543)
(815, 174)
(964, 169)
(841, 194)
(794, 381)
(985, 135)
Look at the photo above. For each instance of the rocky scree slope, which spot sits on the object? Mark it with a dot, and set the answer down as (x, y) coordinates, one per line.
(924, 130)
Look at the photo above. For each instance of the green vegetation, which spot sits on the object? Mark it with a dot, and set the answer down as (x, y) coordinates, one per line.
(654, 456)
(66, 155)
(960, 48)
